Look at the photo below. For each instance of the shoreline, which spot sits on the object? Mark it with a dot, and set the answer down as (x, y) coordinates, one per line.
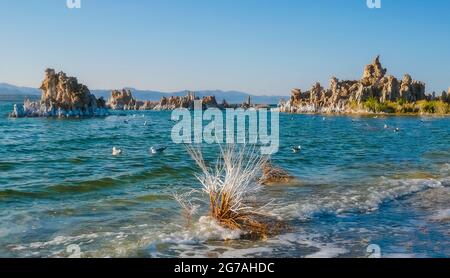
(369, 114)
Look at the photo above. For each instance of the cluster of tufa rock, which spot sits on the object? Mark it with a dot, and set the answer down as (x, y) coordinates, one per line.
(123, 100)
(349, 95)
(445, 97)
(62, 96)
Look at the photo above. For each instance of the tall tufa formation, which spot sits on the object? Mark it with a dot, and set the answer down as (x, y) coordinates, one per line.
(122, 100)
(445, 97)
(373, 73)
(62, 96)
(349, 95)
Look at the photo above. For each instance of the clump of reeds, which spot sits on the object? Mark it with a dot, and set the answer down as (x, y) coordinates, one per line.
(234, 190)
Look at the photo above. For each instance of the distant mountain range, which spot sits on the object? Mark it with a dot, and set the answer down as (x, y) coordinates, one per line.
(8, 91)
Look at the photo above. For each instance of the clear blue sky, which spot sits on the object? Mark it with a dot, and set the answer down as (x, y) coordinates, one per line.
(257, 46)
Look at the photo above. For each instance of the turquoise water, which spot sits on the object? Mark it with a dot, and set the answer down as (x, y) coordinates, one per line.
(359, 184)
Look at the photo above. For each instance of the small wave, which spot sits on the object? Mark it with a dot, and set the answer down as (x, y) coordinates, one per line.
(205, 230)
(15, 194)
(207, 239)
(298, 245)
(362, 200)
(6, 166)
(153, 197)
(86, 186)
(56, 247)
(441, 215)
(445, 169)
(57, 241)
(305, 245)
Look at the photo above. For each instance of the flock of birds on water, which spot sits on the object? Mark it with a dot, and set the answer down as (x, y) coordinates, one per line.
(154, 150)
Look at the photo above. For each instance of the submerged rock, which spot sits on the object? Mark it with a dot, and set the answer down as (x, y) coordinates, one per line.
(62, 96)
(273, 175)
(348, 96)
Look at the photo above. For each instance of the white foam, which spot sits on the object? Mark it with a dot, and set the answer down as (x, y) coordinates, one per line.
(328, 252)
(362, 198)
(442, 215)
(246, 252)
(325, 249)
(206, 229)
(398, 256)
(445, 168)
(63, 240)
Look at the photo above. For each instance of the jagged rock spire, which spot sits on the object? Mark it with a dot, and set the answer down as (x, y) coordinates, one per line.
(373, 72)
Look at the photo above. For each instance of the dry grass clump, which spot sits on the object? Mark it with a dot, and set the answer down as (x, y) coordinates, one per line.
(185, 201)
(234, 190)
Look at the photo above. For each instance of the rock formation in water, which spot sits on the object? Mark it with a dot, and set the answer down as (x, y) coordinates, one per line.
(273, 175)
(62, 96)
(174, 102)
(445, 97)
(122, 100)
(349, 96)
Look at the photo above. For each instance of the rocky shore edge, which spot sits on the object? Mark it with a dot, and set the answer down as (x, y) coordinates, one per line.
(375, 92)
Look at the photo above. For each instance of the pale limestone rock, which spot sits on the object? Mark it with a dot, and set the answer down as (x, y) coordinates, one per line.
(122, 100)
(349, 95)
(62, 96)
(373, 73)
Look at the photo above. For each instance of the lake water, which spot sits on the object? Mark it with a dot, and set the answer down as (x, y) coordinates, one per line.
(360, 184)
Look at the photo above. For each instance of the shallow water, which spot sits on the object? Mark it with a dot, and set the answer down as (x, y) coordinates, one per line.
(359, 184)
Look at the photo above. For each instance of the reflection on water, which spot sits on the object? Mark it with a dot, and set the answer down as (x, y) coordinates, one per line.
(360, 184)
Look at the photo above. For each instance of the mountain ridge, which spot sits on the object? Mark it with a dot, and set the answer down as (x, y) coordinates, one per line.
(232, 96)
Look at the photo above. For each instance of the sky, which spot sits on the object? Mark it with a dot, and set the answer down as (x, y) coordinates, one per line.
(263, 47)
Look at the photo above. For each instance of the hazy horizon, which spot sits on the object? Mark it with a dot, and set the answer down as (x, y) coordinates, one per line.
(257, 47)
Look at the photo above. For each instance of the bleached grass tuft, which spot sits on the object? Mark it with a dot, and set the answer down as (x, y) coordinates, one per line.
(234, 190)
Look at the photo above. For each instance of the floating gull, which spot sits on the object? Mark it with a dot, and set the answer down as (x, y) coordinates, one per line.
(397, 129)
(157, 149)
(116, 151)
(386, 126)
(296, 149)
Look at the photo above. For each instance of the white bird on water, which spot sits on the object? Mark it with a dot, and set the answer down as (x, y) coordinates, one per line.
(157, 149)
(386, 126)
(296, 149)
(116, 151)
